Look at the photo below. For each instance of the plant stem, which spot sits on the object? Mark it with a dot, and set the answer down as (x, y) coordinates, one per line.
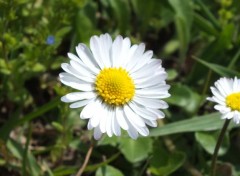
(81, 170)
(219, 142)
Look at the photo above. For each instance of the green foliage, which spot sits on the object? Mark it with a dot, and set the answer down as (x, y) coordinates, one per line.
(198, 42)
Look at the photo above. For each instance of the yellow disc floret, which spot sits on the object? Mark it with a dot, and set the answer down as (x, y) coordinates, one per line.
(115, 86)
(233, 101)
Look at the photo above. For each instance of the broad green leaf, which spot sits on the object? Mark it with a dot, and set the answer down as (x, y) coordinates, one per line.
(108, 171)
(200, 123)
(184, 97)
(135, 150)
(222, 71)
(105, 140)
(163, 163)
(208, 142)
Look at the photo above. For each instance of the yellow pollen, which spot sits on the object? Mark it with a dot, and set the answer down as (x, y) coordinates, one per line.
(115, 86)
(233, 101)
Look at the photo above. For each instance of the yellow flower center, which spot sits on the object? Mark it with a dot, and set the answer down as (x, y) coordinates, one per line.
(233, 101)
(115, 86)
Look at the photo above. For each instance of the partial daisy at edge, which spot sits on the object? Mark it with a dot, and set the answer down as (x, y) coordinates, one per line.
(226, 93)
(119, 86)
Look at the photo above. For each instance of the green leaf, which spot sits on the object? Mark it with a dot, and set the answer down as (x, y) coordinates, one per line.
(184, 97)
(122, 11)
(200, 123)
(63, 31)
(17, 150)
(164, 163)
(222, 71)
(135, 150)
(205, 25)
(183, 21)
(172, 74)
(67, 170)
(108, 171)
(58, 126)
(209, 14)
(4, 67)
(208, 142)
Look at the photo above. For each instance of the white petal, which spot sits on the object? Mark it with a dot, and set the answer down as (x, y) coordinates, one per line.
(86, 56)
(153, 93)
(110, 117)
(83, 70)
(105, 44)
(217, 94)
(116, 50)
(132, 117)
(132, 132)
(80, 103)
(87, 112)
(116, 128)
(95, 120)
(103, 122)
(75, 83)
(150, 103)
(152, 123)
(143, 112)
(121, 119)
(236, 117)
(158, 113)
(126, 45)
(129, 55)
(97, 133)
(153, 81)
(82, 76)
(135, 57)
(222, 109)
(73, 57)
(76, 96)
(94, 45)
(143, 60)
(89, 126)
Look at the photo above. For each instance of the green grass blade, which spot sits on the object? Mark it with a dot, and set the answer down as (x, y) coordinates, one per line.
(222, 71)
(13, 122)
(201, 123)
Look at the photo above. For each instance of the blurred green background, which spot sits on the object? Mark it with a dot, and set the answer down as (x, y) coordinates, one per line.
(198, 42)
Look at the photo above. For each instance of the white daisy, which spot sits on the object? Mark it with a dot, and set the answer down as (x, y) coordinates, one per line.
(119, 86)
(226, 94)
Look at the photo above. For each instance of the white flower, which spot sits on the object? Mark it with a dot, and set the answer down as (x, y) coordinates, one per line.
(226, 94)
(119, 86)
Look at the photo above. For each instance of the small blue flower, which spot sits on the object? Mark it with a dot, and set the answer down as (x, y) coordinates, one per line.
(50, 40)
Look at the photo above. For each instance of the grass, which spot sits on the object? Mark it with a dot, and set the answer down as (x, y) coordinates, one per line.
(198, 42)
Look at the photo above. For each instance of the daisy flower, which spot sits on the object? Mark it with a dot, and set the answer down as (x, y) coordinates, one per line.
(118, 85)
(226, 94)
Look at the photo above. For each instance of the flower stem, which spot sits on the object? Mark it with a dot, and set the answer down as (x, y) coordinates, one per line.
(81, 170)
(219, 142)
